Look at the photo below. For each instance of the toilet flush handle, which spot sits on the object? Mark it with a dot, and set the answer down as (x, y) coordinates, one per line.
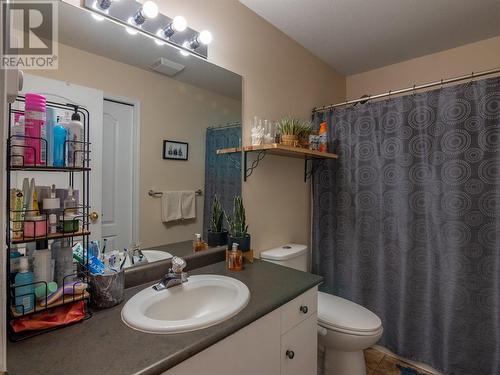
(304, 309)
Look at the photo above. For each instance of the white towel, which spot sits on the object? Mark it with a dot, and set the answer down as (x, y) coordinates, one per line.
(171, 206)
(188, 204)
(177, 205)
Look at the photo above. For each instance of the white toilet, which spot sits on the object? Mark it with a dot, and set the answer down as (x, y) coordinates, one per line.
(345, 328)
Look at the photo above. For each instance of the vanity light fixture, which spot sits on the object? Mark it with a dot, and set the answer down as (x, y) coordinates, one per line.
(178, 24)
(143, 17)
(205, 37)
(148, 10)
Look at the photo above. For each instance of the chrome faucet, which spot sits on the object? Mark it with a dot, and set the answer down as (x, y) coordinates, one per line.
(174, 276)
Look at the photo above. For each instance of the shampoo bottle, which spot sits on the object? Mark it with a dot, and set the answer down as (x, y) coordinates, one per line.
(35, 110)
(60, 134)
(49, 130)
(25, 290)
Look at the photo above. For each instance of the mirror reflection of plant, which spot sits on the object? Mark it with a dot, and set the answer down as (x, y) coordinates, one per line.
(216, 220)
(237, 223)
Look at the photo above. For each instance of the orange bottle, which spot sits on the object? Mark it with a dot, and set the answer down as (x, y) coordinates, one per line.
(323, 137)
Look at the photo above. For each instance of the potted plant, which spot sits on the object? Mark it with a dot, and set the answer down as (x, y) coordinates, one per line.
(305, 132)
(217, 236)
(238, 227)
(292, 130)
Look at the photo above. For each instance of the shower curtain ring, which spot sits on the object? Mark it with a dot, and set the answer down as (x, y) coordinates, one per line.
(441, 84)
(390, 91)
(414, 90)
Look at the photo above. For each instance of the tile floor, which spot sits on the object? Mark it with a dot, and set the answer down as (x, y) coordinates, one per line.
(378, 363)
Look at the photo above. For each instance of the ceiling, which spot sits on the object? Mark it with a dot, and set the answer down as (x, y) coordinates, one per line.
(354, 36)
(106, 38)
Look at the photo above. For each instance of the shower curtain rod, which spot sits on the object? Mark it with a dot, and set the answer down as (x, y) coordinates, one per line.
(408, 89)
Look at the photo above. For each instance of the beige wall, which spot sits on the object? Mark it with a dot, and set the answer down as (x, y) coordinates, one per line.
(279, 77)
(166, 113)
(458, 61)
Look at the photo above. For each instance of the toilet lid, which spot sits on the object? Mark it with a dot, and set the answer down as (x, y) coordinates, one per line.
(340, 313)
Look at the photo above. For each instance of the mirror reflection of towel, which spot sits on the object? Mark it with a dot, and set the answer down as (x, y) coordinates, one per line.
(177, 205)
(188, 204)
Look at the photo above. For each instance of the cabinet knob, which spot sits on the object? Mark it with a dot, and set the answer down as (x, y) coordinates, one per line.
(290, 354)
(304, 309)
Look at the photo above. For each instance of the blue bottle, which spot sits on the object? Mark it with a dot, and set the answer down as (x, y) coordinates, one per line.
(49, 129)
(25, 295)
(60, 134)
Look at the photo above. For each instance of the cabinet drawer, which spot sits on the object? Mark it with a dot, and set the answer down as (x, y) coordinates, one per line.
(299, 348)
(299, 309)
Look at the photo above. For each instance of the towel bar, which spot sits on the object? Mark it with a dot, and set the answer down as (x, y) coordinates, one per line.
(157, 194)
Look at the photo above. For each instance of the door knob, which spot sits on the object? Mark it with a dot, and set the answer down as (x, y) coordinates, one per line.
(290, 354)
(304, 309)
(93, 216)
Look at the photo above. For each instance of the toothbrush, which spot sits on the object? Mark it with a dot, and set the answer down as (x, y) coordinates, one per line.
(104, 248)
(124, 260)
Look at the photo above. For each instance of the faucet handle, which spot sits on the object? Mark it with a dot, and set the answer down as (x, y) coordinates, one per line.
(178, 264)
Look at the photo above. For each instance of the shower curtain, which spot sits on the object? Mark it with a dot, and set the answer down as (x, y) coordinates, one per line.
(407, 222)
(222, 172)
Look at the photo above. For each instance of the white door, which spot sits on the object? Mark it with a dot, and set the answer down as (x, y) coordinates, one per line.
(117, 174)
(92, 100)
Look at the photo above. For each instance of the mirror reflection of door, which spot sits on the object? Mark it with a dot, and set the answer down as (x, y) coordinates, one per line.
(118, 183)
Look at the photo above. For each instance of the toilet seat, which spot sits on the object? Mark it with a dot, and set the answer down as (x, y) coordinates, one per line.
(338, 314)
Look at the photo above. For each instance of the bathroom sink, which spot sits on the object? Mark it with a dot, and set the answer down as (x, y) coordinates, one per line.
(151, 256)
(201, 302)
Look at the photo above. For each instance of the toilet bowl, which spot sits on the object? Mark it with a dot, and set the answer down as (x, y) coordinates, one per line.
(345, 328)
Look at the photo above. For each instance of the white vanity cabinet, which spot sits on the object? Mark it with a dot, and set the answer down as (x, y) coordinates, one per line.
(283, 342)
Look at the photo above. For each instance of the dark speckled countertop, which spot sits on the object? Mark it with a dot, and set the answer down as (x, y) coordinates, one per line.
(105, 345)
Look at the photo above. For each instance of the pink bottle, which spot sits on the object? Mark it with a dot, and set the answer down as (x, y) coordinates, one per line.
(34, 119)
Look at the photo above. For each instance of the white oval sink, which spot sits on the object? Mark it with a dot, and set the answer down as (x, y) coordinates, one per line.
(151, 256)
(201, 302)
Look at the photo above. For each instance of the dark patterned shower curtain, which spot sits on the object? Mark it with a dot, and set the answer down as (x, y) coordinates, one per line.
(407, 222)
(222, 172)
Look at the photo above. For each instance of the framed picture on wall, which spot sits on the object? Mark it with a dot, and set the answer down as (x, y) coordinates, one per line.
(173, 150)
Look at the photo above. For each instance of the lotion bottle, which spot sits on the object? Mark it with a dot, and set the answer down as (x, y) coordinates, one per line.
(75, 137)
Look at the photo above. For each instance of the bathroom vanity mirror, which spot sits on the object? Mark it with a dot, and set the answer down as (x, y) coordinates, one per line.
(156, 118)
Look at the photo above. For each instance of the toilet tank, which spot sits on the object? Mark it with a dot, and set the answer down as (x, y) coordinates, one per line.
(289, 255)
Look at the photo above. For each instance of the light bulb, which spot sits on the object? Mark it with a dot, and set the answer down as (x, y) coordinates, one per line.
(102, 4)
(131, 31)
(185, 45)
(149, 9)
(97, 17)
(205, 37)
(179, 23)
(159, 42)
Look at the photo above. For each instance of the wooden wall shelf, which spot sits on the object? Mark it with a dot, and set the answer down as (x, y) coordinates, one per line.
(279, 150)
